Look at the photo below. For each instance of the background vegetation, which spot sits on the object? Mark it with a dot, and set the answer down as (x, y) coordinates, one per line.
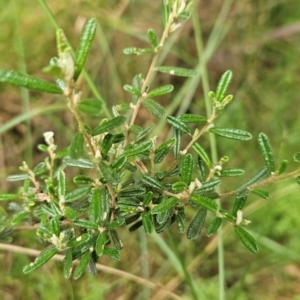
(260, 42)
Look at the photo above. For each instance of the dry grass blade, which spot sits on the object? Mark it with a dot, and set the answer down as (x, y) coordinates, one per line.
(32, 252)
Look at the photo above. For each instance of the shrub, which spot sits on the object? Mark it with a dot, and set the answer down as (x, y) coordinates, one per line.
(124, 175)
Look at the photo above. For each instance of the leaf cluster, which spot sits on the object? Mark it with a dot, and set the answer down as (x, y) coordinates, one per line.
(125, 177)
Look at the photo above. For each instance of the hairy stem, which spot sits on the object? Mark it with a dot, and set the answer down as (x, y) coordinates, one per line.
(270, 179)
(150, 73)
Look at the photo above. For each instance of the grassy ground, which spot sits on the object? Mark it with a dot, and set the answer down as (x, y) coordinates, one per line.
(259, 41)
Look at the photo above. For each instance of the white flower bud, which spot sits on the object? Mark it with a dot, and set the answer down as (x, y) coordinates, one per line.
(192, 187)
(66, 63)
(239, 217)
(48, 136)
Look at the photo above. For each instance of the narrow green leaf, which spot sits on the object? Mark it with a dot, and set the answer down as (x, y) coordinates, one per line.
(7, 197)
(231, 172)
(185, 15)
(112, 253)
(136, 128)
(91, 267)
(164, 205)
(84, 260)
(44, 256)
(54, 226)
(106, 203)
(76, 194)
(179, 186)
(259, 176)
(17, 177)
(116, 239)
(163, 217)
(70, 213)
(234, 134)
(119, 162)
(109, 173)
(223, 85)
(246, 238)
(132, 192)
(191, 118)
(102, 239)
(88, 246)
(138, 51)
(144, 132)
(122, 107)
(52, 210)
(79, 163)
(27, 81)
(240, 201)
(176, 123)
(109, 125)
(266, 151)
(154, 108)
(107, 142)
(82, 179)
(283, 166)
(202, 153)
(177, 145)
(118, 138)
(166, 11)
(137, 83)
(132, 90)
(91, 107)
(162, 151)
(152, 38)
(129, 50)
(68, 264)
(208, 186)
(227, 216)
(61, 183)
(80, 240)
(19, 217)
(261, 193)
(54, 69)
(177, 71)
(85, 41)
(115, 224)
(201, 169)
(77, 146)
(213, 226)
(138, 148)
(84, 223)
(132, 218)
(152, 182)
(204, 201)
(61, 153)
(297, 157)
(148, 198)
(181, 220)
(95, 206)
(196, 225)
(44, 232)
(186, 168)
(130, 167)
(40, 168)
(162, 227)
(162, 90)
(129, 205)
(147, 222)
